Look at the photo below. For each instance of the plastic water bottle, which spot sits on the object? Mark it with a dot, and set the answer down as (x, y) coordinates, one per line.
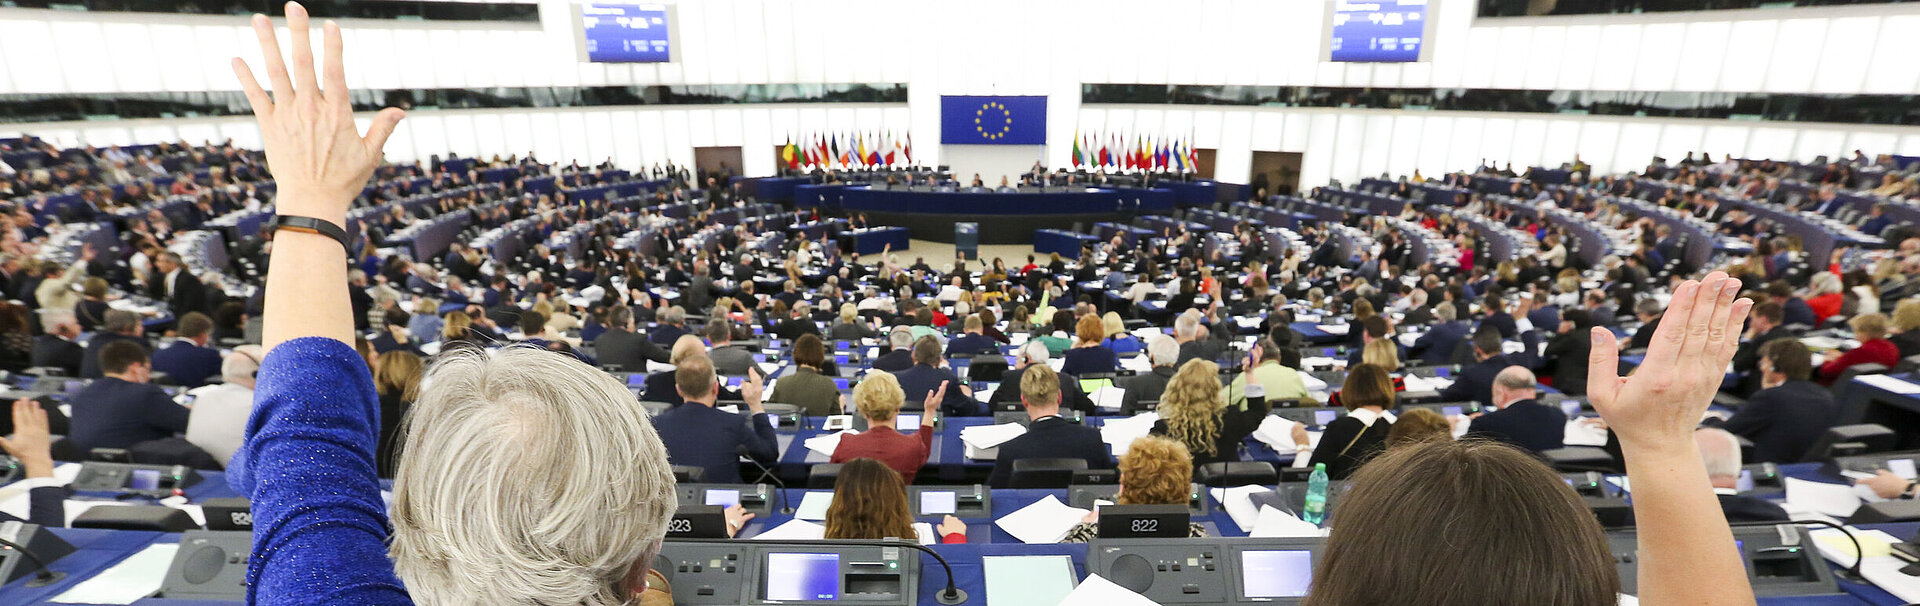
(1316, 506)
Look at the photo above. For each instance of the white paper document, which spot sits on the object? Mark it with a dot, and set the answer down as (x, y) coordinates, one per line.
(991, 436)
(1098, 591)
(1239, 505)
(826, 443)
(1277, 433)
(1045, 521)
(1119, 434)
(1107, 397)
(794, 530)
(1582, 434)
(134, 578)
(1889, 383)
(1275, 523)
(1027, 580)
(1837, 500)
(813, 506)
(1333, 329)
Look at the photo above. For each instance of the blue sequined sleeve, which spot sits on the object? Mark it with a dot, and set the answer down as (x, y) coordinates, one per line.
(320, 527)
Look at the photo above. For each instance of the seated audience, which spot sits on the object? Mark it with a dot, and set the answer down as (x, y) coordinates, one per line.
(1720, 452)
(623, 348)
(188, 361)
(397, 382)
(1419, 425)
(815, 393)
(1764, 325)
(1906, 319)
(1155, 471)
(218, 421)
(1195, 412)
(900, 357)
(697, 434)
(1475, 382)
(878, 399)
(57, 349)
(1789, 413)
(1519, 419)
(972, 340)
(1280, 381)
(850, 326)
(728, 359)
(121, 409)
(1353, 439)
(1162, 352)
(119, 326)
(1089, 354)
(1566, 355)
(1435, 347)
(1874, 348)
(870, 503)
(1118, 339)
(1048, 436)
(1033, 355)
(928, 377)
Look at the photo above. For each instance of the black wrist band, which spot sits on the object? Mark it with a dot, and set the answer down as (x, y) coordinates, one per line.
(312, 226)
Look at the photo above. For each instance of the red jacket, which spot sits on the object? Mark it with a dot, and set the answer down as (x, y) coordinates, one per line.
(905, 454)
(1877, 351)
(1825, 306)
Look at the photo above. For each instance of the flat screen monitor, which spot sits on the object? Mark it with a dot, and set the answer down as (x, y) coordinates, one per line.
(1275, 574)
(907, 422)
(144, 479)
(938, 502)
(1324, 418)
(803, 577)
(1092, 385)
(1378, 31)
(626, 32)
(1450, 411)
(723, 498)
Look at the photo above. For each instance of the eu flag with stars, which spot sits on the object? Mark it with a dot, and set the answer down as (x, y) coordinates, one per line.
(969, 120)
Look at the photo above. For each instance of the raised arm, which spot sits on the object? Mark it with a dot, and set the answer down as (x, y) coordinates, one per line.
(1686, 548)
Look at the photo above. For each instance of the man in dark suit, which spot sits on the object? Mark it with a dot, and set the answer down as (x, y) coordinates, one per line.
(1498, 317)
(120, 408)
(1566, 355)
(925, 378)
(171, 282)
(56, 349)
(1149, 386)
(1475, 382)
(1720, 451)
(1034, 355)
(1372, 329)
(1649, 311)
(799, 322)
(1048, 436)
(1521, 420)
(394, 335)
(900, 356)
(728, 359)
(623, 348)
(188, 361)
(698, 435)
(119, 325)
(1435, 348)
(971, 340)
(1789, 413)
(1765, 324)
(670, 326)
(361, 301)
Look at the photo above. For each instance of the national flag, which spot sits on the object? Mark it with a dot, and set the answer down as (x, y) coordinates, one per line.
(787, 155)
(1193, 157)
(1076, 148)
(821, 142)
(834, 144)
(893, 147)
(1105, 158)
(908, 150)
(862, 146)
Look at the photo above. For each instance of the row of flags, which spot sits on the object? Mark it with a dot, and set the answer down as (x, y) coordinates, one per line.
(1114, 151)
(848, 150)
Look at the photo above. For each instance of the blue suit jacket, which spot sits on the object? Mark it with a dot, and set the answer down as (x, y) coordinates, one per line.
(922, 379)
(1436, 346)
(1526, 424)
(189, 365)
(1475, 382)
(111, 413)
(702, 436)
(1784, 421)
(1050, 438)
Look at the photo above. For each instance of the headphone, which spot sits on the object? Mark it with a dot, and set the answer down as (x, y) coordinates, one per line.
(256, 363)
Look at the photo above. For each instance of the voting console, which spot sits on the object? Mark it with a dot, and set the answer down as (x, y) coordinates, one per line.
(751, 572)
(1781, 560)
(1209, 570)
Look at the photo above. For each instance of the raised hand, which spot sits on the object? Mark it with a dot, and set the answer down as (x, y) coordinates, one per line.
(316, 155)
(32, 441)
(1661, 402)
(934, 398)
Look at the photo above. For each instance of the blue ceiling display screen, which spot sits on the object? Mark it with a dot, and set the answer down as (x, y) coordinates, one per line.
(1382, 31)
(626, 33)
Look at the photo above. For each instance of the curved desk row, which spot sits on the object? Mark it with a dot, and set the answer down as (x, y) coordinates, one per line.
(1007, 218)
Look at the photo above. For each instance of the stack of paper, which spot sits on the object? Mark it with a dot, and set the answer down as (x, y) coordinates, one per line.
(656, 367)
(983, 441)
(1583, 434)
(136, 577)
(1837, 500)
(1333, 329)
(1043, 580)
(1277, 433)
(1879, 567)
(1313, 383)
(1097, 591)
(1272, 522)
(1045, 521)
(1316, 362)
(1889, 383)
(826, 443)
(1120, 433)
(813, 506)
(1137, 364)
(1238, 505)
(1107, 397)
(794, 530)
(1418, 384)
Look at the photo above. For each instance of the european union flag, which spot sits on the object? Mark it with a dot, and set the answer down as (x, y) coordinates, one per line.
(993, 120)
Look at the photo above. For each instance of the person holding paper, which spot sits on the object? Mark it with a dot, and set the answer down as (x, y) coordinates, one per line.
(878, 398)
(1048, 436)
(870, 503)
(1280, 381)
(1155, 471)
(1527, 524)
(1211, 422)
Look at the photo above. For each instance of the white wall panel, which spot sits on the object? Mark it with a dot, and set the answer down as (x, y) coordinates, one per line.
(1435, 144)
(1770, 142)
(1846, 55)
(1379, 135)
(1704, 48)
(1349, 143)
(1544, 54)
(1497, 139)
(1723, 139)
(1580, 50)
(1892, 69)
(1507, 69)
(1316, 165)
(1403, 153)
(1749, 47)
(1637, 142)
(1812, 143)
(1529, 139)
(1465, 147)
(1660, 44)
(1267, 127)
(131, 53)
(32, 59)
(1797, 55)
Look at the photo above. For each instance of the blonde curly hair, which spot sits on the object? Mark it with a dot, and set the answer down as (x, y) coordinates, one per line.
(1191, 405)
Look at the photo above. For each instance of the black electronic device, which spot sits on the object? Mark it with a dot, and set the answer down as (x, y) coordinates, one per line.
(1445, 409)
(28, 548)
(10, 469)
(1083, 496)
(1214, 570)
(134, 478)
(1020, 416)
(1144, 521)
(698, 522)
(1590, 484)
(757, 499)
(739, 573)
(1781, 560)
(1897, 510)
(229, 513)
(158, 518)
(1291, 497)
(1611, 511)
(210, 565)
(1315, 416)
(1898, 462)
(974, 501)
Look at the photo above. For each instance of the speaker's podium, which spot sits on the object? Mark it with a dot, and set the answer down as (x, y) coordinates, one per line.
(966, 240)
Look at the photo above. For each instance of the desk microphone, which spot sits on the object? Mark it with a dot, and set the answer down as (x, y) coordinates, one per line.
(1851, 573)
(46, 576)
(780, 495)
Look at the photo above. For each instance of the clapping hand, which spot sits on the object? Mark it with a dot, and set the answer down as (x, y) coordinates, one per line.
(1658, 406)
(315, 152)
